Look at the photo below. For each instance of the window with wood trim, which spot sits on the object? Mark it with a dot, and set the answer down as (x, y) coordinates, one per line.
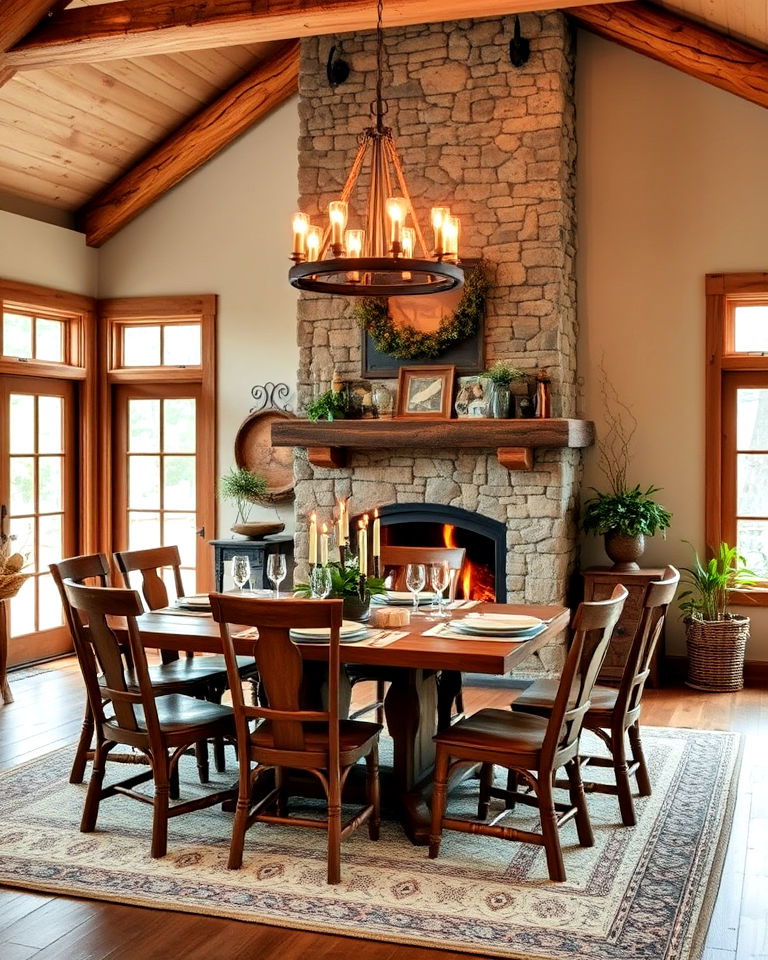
(737, 420)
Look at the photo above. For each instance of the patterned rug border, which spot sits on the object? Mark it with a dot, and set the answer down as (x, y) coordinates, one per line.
(691, 949)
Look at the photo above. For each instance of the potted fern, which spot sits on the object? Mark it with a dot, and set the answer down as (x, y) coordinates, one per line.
(716, 638)
(245, 488)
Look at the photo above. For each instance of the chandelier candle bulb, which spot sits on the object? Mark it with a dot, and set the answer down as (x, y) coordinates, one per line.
(397, 210)
(439, 215)
(337, 214)
(324, 545)
(300, 230)
(409, 245)
(354, 243)
(451, 230)
(314, 242)
(313, 539)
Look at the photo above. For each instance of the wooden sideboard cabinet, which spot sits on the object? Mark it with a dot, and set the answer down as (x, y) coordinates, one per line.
(598, 585)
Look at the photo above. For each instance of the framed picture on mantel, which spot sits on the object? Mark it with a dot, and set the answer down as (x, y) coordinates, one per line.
(425, 393)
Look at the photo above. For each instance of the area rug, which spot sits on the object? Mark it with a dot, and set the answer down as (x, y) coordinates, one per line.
(642, 893)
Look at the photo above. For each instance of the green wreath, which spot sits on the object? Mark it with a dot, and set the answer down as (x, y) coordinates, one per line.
(406, 342)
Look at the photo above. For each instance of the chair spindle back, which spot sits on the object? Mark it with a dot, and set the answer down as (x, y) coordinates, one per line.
(149, 563)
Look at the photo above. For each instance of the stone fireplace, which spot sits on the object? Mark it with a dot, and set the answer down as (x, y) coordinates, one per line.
(497, 143)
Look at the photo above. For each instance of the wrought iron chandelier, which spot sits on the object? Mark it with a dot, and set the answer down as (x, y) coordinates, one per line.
(389, 257)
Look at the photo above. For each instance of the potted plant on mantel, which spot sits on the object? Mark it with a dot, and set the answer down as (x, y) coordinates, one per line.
(244, 488)
(502, 375)
(716, 639)
(626, 515)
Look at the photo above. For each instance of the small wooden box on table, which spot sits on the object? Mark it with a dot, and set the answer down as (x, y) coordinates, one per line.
(598, 585)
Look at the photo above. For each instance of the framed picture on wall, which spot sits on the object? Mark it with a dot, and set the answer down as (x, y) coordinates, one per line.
(425, 393)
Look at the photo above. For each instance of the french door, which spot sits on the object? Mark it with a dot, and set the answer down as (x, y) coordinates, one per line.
(38, 505)
(162, 474)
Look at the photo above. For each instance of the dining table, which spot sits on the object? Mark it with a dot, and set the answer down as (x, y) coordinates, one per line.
(415, 661)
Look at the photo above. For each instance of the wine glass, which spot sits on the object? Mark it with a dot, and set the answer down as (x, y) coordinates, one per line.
(439, 578)
(276, 571)
(415, 580)
(320, 582)
(241, 571)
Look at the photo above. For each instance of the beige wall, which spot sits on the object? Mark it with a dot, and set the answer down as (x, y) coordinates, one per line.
(226, 230)
(52, 256)
(671, 186)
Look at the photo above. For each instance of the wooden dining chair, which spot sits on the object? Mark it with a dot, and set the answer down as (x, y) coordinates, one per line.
(614, 714)
(178, 676)
(287, 736)
(395, 560)
(532, 748)
(160, 725)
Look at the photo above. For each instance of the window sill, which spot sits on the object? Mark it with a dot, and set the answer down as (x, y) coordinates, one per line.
(756, 597)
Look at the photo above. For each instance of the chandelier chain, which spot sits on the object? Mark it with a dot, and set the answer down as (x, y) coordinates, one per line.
(379, 64)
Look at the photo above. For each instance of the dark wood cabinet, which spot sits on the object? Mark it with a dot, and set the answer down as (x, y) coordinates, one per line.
(257, 552)
(598, 585)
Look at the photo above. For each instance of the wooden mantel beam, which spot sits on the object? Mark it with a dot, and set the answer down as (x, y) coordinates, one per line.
(17, 18)
(682, 44)
(199, 139)
(134, 28)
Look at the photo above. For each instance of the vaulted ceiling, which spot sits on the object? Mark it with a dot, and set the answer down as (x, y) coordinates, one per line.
(88, 130)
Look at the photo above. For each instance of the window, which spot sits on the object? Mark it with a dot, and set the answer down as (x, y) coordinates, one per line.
(737, 419)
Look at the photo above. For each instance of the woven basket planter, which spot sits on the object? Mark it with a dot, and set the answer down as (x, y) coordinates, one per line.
(716, 653)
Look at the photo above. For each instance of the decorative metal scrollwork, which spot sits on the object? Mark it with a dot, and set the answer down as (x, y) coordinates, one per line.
(271, 396)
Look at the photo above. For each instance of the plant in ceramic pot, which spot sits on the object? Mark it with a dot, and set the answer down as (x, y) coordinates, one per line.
(502, 375)
(244, 488)
(349, 585)
(716, 638)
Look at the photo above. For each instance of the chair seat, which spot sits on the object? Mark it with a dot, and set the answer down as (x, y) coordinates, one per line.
(177, 712)
(204, 667)
(355, 739)
(540, 696)
(497, 731)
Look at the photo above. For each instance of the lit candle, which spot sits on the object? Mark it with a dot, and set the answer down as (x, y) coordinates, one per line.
(439, 216)
(366, 520)
(354, 240)
(409, 245)
(313, 538)
(337, 214)
(362, 547)
(300, 228)
(397, 210)
(314, 242)
(451, 238)
(376, 533)
(324, 545)
(346, 521)
(340, 523)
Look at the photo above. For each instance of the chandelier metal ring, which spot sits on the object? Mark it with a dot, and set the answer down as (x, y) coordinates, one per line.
(333, 276)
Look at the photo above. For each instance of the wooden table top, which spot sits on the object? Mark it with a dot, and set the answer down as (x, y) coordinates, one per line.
(416, 651)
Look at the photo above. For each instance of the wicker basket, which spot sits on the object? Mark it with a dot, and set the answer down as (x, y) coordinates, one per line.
(716, 653)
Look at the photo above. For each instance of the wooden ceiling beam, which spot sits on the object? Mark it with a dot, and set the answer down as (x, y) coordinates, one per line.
(690, 47)
(134, 28)
(17, 18)
(194, 143)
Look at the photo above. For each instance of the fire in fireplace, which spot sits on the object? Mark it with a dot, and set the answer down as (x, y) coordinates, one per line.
(477, 579)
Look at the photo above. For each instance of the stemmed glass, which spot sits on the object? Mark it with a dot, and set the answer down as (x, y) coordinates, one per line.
(241, 571)
(415, 580)
(439, 578)
(276, 571)
(320, 582)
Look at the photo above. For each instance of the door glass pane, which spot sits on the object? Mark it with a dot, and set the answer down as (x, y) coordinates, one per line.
(49, 602)
(48, 339)
(751, 329)
(144, 426)
(49, 492)
(179, 483)
(22, 426)
(141, 346)
(49, 424)
(22, 471)
(144, 482)
(17, 335)
(23, 609)
(22, 530)
(179, 530)
(143, 530)
(752, 541)
(51, 546)
(179, 425)
(752, 418)
(181, 344)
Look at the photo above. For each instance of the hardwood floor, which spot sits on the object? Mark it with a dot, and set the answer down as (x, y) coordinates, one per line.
(59, 928)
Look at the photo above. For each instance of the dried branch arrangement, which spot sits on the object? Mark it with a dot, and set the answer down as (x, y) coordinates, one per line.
(616, 445)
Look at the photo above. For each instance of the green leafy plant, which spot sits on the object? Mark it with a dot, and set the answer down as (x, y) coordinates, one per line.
(712, 581)
(405, 342)
(328, 406)
(628, 512)
(345, 581)
(503, 373)
(244, 488)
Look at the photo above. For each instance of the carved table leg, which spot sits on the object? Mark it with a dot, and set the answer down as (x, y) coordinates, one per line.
(5, 632)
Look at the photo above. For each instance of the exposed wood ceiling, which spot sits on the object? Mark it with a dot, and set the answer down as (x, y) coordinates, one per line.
(85, 129)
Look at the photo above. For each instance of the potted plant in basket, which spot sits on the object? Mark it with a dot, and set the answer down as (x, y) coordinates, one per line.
(244, 488)
(349, 585)
(716, 639)
(626, 515)
(501, 375)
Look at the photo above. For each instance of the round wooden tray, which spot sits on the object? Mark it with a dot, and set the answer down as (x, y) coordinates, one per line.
(254, 451)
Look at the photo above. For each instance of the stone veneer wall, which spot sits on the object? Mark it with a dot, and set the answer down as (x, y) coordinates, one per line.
(497, 144)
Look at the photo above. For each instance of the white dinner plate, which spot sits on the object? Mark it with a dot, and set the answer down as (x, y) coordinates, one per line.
(348, 629)
(487, 628)
(518, 620)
